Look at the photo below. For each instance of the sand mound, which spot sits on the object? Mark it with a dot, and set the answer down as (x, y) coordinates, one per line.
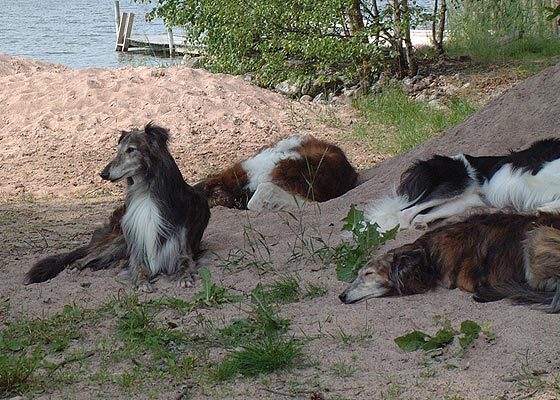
(58, 126)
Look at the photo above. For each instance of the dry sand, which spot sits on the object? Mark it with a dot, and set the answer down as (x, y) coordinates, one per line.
(58, 129)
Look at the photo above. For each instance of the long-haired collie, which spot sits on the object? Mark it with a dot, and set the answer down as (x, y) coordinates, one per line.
(523, 181)
(494, 256)
(296, 169)
(164, 218)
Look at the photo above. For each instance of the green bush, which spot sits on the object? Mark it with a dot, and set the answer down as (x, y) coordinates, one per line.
(491, 29)
(278, 40)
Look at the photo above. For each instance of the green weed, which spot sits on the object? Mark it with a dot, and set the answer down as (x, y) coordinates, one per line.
(350, 257)
(500, 30)
(284, 290)
(348, 338)
(16, 368)
(313, 290)
(468, 332)
(343, 370)
(308, 243)
(212, 294)
(25, 343)
(535, 379)
(256, 251)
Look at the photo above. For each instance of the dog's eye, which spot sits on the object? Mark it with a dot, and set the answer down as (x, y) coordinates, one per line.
(368, 273)
(130, 150)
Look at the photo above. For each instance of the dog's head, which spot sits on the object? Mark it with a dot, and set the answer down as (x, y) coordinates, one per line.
(373, 280)
(227, 188)
(135, 151)
(400, 271)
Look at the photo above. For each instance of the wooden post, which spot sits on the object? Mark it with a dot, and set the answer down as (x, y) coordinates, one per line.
(126, 42)
(117, 17)
(171, 43)
(125, 29)
(120, 34)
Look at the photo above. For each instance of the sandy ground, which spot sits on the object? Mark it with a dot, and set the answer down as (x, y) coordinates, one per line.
(58, 128)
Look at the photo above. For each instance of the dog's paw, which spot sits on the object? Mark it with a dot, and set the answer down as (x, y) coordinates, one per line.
(421, 226)
(185, 280)
(145, 287)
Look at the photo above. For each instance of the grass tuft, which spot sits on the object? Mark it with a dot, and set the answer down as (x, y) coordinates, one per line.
(395, 123)
(264, 356)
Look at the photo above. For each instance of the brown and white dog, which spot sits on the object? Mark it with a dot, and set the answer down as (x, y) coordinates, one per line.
(296, 169)
(160, 227)
(494, 256)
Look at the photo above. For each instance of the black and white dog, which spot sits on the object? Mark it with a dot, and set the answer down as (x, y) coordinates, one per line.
(165, 217)
(441, 187)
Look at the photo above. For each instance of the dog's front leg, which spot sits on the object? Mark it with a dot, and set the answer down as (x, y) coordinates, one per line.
(186, 271)
(141, 278)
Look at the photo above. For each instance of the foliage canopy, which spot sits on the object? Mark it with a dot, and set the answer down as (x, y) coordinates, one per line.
(280, 39)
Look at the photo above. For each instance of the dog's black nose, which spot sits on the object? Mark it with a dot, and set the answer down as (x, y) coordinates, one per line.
(342, 297)
(105, 174)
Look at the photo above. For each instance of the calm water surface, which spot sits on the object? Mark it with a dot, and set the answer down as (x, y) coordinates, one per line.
(77, 33)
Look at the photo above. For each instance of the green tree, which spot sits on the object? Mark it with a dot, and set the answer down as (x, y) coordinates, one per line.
(279, 39)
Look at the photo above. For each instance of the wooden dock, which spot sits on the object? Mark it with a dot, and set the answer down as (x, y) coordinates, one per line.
(161, 45)
(158, 44)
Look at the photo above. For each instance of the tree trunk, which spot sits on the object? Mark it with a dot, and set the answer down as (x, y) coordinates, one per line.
(412, 67)
(375, 11)
(434, 23)
(397, 38)
(441, 27)
(356, 18)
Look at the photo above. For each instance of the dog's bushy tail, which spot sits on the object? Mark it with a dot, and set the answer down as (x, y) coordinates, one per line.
(51, 266)
(521, 293)
(107, 248)
(386, 212)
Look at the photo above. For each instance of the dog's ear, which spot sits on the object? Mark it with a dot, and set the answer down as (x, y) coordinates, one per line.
(121, 137)
(156, 134)
(410, 258)
(412, 271)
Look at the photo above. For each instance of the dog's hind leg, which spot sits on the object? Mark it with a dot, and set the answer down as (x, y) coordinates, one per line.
(542, 258)
(271, 197)
(451, 208)
(550, 207)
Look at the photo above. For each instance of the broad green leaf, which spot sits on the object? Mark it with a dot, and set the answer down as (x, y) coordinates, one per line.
(412, 341)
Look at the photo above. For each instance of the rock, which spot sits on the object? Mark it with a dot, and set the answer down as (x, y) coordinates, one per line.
(436, 105)
(306, 87)
(449, 89)
(350, 92)
(248, 77)
(192, 62)
(306, 99)
(320, 98)
(287, 88)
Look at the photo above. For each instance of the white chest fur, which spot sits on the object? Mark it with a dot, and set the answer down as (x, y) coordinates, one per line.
(143, 229)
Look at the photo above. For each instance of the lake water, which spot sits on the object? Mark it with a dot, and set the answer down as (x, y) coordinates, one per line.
(77, 33)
